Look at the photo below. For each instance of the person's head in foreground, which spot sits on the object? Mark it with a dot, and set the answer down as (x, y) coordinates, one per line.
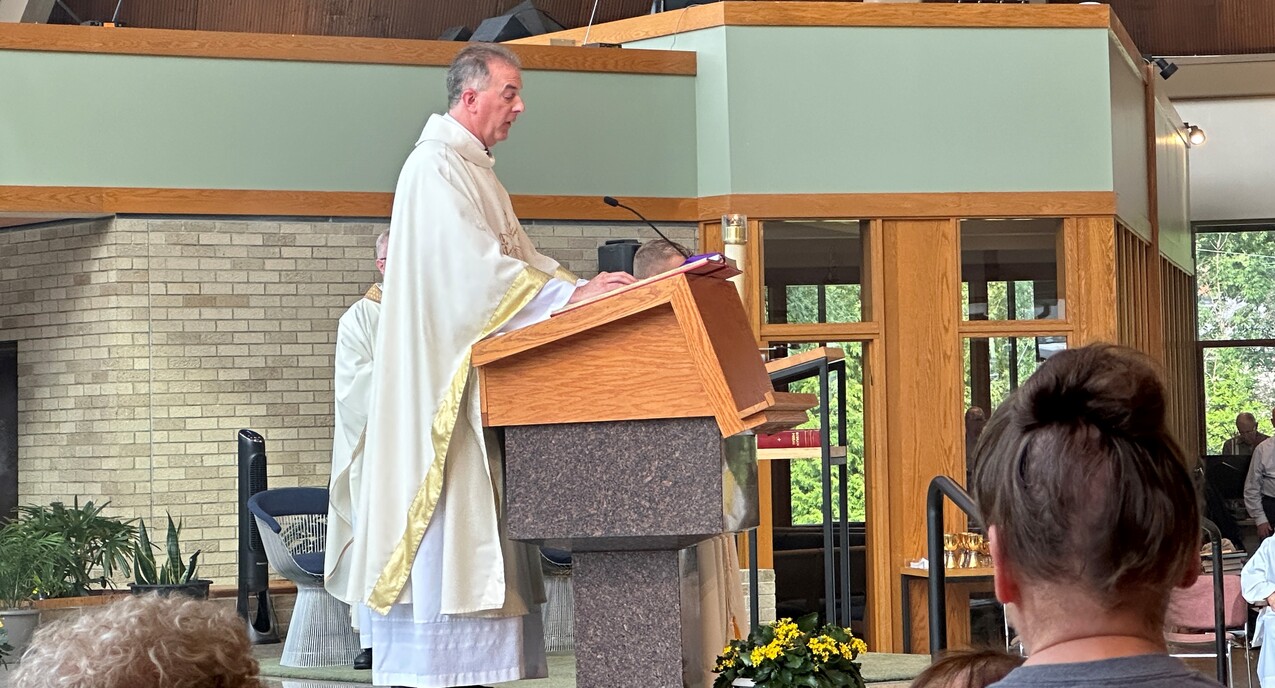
(967, 669)
(657, 256)
(142, 642)
(1090, 511)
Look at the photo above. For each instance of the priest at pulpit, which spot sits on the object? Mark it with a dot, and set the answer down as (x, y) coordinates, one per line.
(457, 603)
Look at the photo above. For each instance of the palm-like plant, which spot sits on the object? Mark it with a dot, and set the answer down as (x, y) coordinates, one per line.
(32, 565)
(98, 545)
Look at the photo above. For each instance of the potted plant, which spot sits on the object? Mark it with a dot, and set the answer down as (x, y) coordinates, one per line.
(788, 653)
(174, 576)
(31, 566)
(98, 545)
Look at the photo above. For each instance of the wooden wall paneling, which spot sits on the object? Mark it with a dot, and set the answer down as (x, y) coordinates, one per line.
(1090, 266)
(1181, 366)
(876, 466)
(883, 609)
(923, 385)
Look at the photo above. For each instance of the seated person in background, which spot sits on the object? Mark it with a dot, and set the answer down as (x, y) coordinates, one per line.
(1092, 521)
(1246, 439)
(1258, 582)
(968, 669)
(142, 642)
(658, 256)
(716, 560)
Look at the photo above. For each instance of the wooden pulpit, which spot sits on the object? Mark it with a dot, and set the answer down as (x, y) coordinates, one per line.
(628, 438)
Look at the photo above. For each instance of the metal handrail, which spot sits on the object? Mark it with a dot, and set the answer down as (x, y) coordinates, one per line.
(1219, 613)
(941, 486)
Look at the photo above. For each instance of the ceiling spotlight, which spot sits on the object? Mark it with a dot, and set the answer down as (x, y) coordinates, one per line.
(1195, 135)
(1166, 68)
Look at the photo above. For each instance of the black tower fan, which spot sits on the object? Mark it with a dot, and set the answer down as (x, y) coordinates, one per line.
(254, 571)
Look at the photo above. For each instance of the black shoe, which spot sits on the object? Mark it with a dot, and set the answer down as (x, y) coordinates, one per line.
(364, 660)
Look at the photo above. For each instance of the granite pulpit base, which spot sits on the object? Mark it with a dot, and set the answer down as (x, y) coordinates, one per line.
(637, 621)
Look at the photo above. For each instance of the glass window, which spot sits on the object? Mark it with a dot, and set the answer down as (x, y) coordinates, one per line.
(805, 486)
(994, 367)
(1009, 269)
(1235, 272)
(1237, 380)
(813, 271)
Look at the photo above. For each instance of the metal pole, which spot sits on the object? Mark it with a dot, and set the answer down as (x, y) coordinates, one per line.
(829, 551)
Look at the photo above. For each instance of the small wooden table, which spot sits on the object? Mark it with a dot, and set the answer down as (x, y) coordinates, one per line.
(908, 576)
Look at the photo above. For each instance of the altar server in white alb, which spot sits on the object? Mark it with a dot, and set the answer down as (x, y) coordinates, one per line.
(1258, 582)
(457, 600)
(352, 389)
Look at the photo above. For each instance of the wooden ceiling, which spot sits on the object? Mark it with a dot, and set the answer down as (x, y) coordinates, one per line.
(1197, 27)
(1159, 27)
(418, 19)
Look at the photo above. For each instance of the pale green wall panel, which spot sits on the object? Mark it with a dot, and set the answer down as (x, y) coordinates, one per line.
(712, 105)
(1129, 144)
(1172, 177)
(71, 119)
(852, 109)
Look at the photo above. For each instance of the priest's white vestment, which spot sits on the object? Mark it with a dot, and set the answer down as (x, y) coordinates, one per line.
(1257, 580)
(352, 391)
(460, 599)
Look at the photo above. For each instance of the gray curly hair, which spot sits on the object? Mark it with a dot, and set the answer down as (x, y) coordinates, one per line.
(142, 642)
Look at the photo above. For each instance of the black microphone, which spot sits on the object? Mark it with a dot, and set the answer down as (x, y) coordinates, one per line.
(616, 204)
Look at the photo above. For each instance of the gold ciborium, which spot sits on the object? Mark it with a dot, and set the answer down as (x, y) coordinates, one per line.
(970, 544)
(949, 550)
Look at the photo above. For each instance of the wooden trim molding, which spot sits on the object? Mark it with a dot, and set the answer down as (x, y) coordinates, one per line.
(838, 14)
(258, 46)
(68, 200)
(915, 205)
(1014, 328)
(112, 200)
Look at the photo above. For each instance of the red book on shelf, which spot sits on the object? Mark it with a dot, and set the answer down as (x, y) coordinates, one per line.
(789, 438)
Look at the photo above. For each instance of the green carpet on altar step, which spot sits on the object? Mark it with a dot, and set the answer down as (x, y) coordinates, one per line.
(877, 668)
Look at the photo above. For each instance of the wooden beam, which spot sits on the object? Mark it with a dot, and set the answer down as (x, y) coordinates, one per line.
(837, 14)
(923, 379)
(264, 46)
(177, 201)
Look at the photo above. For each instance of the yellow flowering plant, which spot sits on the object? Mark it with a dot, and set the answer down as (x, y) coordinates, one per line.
(787, 654)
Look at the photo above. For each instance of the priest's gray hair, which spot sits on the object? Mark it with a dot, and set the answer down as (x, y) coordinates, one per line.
(469, 68)
(382, 244)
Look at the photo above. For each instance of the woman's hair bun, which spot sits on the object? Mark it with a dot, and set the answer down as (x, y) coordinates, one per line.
(1109, 387)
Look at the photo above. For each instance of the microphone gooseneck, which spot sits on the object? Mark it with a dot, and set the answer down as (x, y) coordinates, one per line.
(609, 200)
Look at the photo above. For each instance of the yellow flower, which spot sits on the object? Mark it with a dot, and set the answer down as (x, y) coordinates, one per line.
(757, 655)
(786, 631)
(852, 649)
(822, 647)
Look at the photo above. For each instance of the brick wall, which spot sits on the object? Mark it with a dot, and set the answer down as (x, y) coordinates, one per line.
(144, 345)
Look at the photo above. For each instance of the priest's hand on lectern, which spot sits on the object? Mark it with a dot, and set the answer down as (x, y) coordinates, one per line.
(604, 282)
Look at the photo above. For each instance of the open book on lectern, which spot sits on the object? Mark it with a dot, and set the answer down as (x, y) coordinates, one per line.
(713, 265)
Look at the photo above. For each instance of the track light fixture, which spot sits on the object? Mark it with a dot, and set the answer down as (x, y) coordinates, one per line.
(1195, 135)
(1166, 68)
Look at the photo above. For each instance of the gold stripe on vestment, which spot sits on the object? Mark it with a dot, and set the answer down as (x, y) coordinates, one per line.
(394, 576)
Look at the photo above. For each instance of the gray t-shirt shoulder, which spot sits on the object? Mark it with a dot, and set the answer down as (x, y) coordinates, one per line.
(1141, 671)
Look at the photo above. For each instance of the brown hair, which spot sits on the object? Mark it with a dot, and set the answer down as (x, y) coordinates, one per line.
(142, 642)
(968, 669)
(1078, 473)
